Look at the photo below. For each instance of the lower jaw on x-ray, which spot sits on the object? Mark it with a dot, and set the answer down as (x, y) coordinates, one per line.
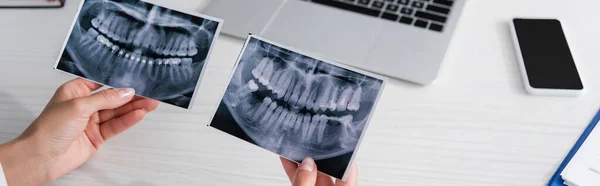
(158, 52)
(297, 106)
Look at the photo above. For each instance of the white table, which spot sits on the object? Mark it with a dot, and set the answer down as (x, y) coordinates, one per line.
(474, 126)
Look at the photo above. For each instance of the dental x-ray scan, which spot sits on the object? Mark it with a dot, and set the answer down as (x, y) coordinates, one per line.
(159, 52)
(298, 106)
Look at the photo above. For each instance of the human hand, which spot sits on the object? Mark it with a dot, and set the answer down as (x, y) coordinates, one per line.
(306, 174)
(70, 129)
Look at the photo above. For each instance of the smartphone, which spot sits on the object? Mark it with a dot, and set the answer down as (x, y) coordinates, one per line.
(545, 59)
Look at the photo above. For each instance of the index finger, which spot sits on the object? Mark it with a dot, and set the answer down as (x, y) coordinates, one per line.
(352, 179)
(75, 88)
(137, 103)
(289, 167)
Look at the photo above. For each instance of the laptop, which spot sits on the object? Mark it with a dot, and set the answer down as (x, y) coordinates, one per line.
(404, 39)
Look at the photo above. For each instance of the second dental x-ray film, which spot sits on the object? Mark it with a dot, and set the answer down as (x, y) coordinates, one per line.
(159, 52)
(298, 106)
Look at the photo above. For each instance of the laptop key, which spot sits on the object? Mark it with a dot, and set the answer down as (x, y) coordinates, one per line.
(418, 4)
(377, 4)
(391, 7)
(406, 11)
(403, 2)
(430, 16)
(437, 9)
(349, 7)
(444, 2)
(388, 16)
(364, 2)
(406, 20)
(421, 23)
(436, 27)
(391, 1)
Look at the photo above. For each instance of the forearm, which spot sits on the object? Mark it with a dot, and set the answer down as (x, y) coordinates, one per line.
(20, 166)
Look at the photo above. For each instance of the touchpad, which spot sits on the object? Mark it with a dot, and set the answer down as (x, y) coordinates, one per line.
(337, 34)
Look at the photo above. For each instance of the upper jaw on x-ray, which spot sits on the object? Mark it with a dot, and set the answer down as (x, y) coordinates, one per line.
(297, 106)
(158, 52)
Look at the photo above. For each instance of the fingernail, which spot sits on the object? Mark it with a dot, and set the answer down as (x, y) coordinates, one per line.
(307, 164)
(126, 92)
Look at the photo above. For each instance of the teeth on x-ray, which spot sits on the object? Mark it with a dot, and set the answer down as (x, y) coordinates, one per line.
(354, 103)
(158, 52)
(244, 92)
(298, 106)
(178, 47)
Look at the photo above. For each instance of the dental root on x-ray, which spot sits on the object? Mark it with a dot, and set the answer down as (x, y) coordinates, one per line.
(297, 106)
(130, 43)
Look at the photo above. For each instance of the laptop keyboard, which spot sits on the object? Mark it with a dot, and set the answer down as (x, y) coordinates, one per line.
(425, 14)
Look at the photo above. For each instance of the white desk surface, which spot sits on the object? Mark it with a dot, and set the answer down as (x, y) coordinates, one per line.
(474, 126)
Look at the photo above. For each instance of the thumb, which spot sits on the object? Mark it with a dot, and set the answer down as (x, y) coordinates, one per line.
(107, 99)
(306, 174)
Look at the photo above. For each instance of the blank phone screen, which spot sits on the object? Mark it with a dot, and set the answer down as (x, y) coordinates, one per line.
(546, 54)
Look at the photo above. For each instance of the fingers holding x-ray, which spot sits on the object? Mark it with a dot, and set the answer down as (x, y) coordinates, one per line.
(296, 105)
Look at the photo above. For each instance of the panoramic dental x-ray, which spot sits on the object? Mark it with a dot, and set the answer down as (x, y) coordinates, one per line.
(297, 106)
(129, 43)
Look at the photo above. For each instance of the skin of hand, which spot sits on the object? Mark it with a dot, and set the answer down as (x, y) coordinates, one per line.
(306, 174)
(70, 129)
